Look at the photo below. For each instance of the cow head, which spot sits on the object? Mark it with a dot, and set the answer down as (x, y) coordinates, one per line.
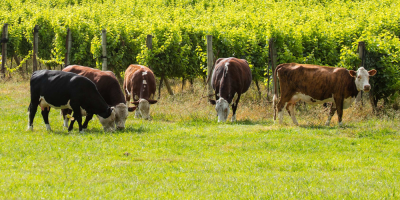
(144, 107)
(362, 78)
(222, 108)
(109, 122)
(121, 114)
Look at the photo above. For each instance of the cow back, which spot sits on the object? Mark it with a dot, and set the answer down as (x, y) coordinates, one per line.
(231, 75)
(140, 81)
(105, 81)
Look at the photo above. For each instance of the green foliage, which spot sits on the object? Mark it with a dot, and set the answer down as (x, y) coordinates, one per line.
(318, 32)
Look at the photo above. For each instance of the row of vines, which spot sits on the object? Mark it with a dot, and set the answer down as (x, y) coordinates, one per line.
(324, 32)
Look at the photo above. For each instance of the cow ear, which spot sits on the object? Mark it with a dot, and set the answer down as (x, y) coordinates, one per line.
(135, 102)
(212, 101)
(372, 72)
(152, 101)
(131, 109)
(353, 73)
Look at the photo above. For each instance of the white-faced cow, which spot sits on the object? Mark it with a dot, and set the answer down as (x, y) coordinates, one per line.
(108, 87)
(140, 86)
(64, 90)
(231, 78)
(318, 84)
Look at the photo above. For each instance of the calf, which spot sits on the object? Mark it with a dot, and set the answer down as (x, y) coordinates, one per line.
(64, 90)
(231, 77)
(140, 85)
(318, 84)
(108, 87)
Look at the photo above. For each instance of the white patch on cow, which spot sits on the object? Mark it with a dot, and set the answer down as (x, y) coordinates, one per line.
(226, 68)
(144, 82)
(280, 114)
(144, 73)
(121, 114)
(48, 127)
(108, 123)
(222, 108)
(291, 110)
(328, 121)
(308, 99)
(30, 128)
(44, 104)
(347, 102)
(143, 109)
(362, 79)
(127, 92)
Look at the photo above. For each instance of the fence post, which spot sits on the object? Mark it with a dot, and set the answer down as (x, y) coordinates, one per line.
(35, 47)
(361, 54)
(68, 48)
(104, 46)
(272, 57)
(210, 63)
(4, 41)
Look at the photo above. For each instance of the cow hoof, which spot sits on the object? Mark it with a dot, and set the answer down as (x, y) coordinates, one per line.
(327, 123)
(48, 127)
(341, 124)
(30, 128)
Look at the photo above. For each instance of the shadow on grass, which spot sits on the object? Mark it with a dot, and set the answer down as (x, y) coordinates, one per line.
(252, 122)
(129, 129)
(320, 126)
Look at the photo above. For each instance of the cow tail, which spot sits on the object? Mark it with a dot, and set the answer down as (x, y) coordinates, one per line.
(275, 98)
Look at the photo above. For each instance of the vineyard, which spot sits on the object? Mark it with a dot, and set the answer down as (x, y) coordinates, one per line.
(324, 32)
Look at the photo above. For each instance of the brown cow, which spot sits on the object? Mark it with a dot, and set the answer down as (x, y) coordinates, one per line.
(108, 87)
(140, 85)
(231, 77)
(318, 84)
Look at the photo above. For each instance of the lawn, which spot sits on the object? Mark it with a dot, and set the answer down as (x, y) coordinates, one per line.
(183, 153)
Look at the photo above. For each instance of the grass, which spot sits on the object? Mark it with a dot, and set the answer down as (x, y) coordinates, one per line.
(183, 153)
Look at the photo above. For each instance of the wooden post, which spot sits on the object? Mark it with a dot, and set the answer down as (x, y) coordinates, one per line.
(4, 41)
(68, 44)
(210, 64)
(149, 42)
(35, 47)
(272, 57)
(361, 54)
(104, 46)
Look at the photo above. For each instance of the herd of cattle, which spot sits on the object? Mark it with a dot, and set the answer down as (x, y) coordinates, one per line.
(85, 91)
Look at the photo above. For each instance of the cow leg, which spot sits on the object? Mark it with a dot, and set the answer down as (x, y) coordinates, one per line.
(89, 117)
(339, 107)
(282, 104)
(64, 113)
(290, 108)
(331, 113)
(77, 116)
(45, 115)
(234, 107)
(32, 112)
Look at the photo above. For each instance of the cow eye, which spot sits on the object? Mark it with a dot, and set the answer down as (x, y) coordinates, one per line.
(359, 77)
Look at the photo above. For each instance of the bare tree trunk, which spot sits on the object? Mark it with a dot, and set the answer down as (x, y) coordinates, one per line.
(258, 88)
(168, 86)
(160, 86)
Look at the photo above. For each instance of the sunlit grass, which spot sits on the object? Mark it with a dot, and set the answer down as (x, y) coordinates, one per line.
(183, 153)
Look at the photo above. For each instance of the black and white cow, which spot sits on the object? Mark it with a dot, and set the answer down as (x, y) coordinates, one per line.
(58, 89)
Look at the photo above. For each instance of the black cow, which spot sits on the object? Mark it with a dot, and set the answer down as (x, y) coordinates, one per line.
(58, 89)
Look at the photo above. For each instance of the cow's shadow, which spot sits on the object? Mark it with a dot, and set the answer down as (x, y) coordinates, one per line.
(322, 126)
(251, 122)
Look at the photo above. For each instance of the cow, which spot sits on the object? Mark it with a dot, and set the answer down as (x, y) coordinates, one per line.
(65, 90)
(140, 86)
(231, 78)
(316, 85)
(108, 87)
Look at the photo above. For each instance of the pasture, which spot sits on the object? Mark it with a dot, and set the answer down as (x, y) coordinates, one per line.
(183, 153)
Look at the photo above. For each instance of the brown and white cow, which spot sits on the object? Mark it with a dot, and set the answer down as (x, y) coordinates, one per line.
(108, 87)
(140, 86)
(318, 84)
(231, 78)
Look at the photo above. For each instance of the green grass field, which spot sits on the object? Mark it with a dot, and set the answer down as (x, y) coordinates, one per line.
(183, 153)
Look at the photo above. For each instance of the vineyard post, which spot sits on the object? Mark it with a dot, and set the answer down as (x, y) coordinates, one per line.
(35, 47)
(104, 45)
(210, 59)
(272, 56)
(361, 54)
(4, 51)
(68, 48)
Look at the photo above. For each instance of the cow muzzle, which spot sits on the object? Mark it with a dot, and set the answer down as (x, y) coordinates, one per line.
(367, 88)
